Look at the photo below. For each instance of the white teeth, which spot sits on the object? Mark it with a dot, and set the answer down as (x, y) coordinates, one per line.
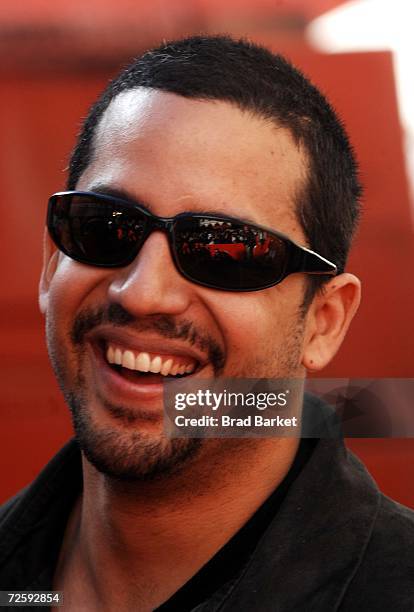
(165, 370)
(156, 364)
(174, 369)
(128, 360)
(110, 354)
(142, 362)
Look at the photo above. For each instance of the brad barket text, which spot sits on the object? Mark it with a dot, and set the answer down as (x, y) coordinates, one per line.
(226, 421)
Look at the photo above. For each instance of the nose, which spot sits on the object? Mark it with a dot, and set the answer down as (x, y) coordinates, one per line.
(151, 284)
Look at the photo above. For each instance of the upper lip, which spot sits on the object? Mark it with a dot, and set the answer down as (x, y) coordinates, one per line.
(146, 342)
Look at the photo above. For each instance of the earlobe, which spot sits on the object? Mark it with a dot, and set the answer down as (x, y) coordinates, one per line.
(328, 320)
(50, 261)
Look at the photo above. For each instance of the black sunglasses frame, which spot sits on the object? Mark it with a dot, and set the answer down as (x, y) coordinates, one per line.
(298, 259)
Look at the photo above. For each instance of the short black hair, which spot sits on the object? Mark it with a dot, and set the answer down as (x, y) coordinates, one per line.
(253, 78)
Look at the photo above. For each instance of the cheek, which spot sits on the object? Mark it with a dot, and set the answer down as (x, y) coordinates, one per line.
(71, 289)
(261, 328)
(249, 322)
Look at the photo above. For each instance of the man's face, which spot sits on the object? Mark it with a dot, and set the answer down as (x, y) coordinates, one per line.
(172, 155)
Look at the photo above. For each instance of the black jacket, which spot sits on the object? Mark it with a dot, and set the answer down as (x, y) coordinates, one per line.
(336, 543)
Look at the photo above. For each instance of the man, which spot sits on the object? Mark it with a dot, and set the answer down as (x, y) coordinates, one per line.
(239, 141)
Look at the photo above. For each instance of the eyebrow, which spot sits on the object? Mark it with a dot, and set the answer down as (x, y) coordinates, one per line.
(123, 194)
(118, 192)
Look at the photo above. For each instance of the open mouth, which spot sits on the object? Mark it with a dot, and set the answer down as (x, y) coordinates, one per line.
(146, 367)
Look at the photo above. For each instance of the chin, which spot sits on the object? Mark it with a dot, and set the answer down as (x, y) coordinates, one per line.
(131, 448)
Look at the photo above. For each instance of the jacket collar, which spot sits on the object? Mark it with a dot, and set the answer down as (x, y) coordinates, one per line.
(312, 549)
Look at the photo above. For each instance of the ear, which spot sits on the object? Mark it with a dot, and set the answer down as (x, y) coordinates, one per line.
(328, 319)
(50, 261)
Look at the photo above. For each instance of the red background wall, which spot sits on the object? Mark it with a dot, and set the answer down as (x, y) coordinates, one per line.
(40, 113)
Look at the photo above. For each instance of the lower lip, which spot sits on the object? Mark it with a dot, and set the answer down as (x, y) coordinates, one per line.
(115, 388)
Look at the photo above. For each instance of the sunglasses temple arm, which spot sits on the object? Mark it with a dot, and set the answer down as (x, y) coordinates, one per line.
(305, 260)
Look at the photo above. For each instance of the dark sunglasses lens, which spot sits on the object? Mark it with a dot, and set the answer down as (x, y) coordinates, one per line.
(95, 230)
(227, 254)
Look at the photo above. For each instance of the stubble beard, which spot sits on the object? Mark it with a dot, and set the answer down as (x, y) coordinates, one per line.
(131, 454)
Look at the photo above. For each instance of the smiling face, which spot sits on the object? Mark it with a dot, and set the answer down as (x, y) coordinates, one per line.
(105, 327)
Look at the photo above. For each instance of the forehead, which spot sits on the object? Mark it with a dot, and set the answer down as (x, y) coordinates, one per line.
(176, 154)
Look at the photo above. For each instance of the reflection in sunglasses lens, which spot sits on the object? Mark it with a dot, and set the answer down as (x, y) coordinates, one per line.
(228, 254)
(100, 231)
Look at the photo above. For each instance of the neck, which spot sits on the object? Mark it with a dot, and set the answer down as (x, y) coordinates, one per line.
(158, 534)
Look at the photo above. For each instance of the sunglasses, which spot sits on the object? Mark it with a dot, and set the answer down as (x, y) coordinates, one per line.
(213, 251)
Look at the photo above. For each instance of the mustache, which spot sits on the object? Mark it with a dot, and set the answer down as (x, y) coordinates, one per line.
(165, 325)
